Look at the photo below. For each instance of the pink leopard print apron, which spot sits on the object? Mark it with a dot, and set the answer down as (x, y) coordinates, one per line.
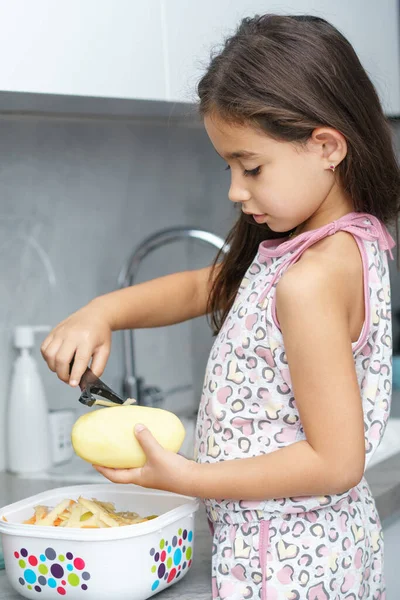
(313, 548)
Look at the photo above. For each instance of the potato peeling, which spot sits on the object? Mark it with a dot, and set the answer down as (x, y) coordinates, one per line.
(101, 402)
(84, 514)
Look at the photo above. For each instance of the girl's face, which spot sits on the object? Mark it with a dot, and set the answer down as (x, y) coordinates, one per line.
(283, 184)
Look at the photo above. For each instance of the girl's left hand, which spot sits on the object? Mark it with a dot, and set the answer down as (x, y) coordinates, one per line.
(163, 470)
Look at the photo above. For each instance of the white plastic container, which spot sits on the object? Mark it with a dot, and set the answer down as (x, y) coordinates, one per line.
(131, 562)
(28, 432)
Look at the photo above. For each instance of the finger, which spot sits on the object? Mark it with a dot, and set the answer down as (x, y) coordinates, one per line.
(51, 353)
(99, 361)
(147, 441)
(82, 358)
(46, 343)
(63, 360)
(120, 475)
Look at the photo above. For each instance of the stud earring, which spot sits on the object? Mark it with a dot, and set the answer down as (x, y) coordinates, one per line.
(332, 168)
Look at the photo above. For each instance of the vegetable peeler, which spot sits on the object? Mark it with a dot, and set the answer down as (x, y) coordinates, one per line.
(92, 386)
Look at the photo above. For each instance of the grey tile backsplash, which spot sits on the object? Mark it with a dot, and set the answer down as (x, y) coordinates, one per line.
(77, 195)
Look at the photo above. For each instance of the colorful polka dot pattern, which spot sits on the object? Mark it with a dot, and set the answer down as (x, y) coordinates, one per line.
(171, 559)
(57, 572)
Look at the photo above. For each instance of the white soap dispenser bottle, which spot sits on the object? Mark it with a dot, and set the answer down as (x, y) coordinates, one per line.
(28, 434)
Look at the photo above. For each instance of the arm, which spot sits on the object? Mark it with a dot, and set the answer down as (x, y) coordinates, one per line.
(163, 301)
(313, 303)
(87, 333)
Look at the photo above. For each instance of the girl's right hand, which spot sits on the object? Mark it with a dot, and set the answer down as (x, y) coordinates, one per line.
(84, 335)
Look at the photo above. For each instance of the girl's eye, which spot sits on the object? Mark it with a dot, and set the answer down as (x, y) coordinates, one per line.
(246, 173)
(252, 172)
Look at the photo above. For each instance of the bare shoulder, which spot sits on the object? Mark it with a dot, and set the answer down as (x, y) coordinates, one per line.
(330, 270)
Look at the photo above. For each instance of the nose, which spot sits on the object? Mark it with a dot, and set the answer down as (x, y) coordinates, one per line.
(238, 192)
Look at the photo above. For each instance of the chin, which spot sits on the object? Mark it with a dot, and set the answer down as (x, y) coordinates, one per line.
(275, 227)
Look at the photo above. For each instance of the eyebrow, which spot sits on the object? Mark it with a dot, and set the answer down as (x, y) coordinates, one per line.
(240, 154)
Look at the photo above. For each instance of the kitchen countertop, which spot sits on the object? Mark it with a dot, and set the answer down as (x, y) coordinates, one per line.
(383, 478)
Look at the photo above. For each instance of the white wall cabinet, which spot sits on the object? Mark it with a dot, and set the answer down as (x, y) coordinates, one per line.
(192, 28)
(158, 49)
(111, 48)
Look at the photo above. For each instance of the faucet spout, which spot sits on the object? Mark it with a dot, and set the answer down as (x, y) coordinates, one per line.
(133, 386)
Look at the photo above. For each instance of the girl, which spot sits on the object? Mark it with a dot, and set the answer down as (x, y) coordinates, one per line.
(298, 383)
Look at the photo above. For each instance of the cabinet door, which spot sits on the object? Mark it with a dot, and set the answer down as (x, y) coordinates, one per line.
(110, 48)
(193, 29)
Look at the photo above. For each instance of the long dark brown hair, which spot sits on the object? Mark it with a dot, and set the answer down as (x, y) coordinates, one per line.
(287, 75)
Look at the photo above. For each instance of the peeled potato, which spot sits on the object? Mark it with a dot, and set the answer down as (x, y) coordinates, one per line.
(106, 436)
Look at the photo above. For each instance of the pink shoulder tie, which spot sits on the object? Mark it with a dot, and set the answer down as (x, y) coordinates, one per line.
(362, 225)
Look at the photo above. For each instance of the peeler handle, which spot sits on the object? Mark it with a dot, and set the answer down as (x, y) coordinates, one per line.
(91, 384)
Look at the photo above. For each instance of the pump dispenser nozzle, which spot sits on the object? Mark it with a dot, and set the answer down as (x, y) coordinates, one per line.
(24, 335)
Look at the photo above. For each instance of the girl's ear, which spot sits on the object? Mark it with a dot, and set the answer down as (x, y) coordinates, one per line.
(331, 145)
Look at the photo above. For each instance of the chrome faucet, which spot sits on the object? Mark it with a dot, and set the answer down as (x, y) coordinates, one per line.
(133, 386)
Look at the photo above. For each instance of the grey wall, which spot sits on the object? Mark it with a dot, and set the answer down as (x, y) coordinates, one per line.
(83, 193)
